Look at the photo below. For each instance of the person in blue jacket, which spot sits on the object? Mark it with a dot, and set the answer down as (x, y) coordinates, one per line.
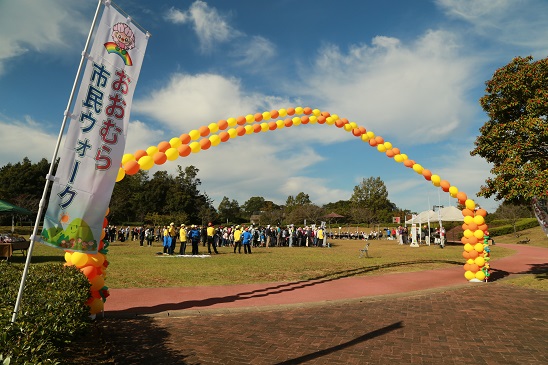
(246, 240)
(195, 236)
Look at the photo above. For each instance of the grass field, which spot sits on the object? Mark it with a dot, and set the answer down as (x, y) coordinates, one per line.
(133, 266)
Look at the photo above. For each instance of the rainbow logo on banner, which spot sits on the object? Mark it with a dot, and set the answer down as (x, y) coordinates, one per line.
(111, 47)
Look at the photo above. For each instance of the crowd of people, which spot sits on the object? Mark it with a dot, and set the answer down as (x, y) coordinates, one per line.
(235, 236)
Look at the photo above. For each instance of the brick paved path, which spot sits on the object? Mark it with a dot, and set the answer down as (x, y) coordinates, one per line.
(484, 323)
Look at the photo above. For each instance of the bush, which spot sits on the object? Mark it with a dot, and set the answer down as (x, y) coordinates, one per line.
(52, 312)
(524, 223)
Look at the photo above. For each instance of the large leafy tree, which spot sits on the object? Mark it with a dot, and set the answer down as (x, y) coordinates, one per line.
(370, 201)
(229, 210)
(515, 139)
(253, 205)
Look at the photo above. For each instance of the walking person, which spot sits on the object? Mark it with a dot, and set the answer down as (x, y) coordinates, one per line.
(210, 239)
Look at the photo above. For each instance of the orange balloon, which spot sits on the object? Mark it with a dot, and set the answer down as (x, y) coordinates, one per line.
(272, 126)
(372, 142)
(223, 124)
(363, 130)
(390, 153)
(427, 174)
(184, 150)
(473, 226)
(339, 123)
(474, 268)
(481, 212)
(89, 271)
(379, 140)
(461, 196)
(445, 185)
(275, 114)
(105, 222)
(240, 130)
(306, 111)
(159, 158)
(291, 111)
(256, 128)
(224, 136)
(305, 119)
(408, 163)
(258, 117)
(241, 119)
(131, 167)
(465, 227)
(396, 151)
(204, 131)
(288, 122)
(356, 132)
(325, 114)
(467, 212)
(464, 240)
(466, 255)
(321, 119)
(139, 154)
(185, 138)
(205, 143)
(163, 146)
(473, 240)
(473, 254)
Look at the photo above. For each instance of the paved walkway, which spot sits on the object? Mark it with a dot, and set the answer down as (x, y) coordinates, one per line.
(434, 317)
(177, 301)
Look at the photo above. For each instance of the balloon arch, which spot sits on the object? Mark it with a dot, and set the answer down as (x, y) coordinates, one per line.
(475, 236)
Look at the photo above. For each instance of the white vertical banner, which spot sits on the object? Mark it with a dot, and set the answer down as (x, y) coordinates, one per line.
(91, 155)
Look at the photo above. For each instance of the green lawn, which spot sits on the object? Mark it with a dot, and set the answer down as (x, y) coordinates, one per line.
(132, 266)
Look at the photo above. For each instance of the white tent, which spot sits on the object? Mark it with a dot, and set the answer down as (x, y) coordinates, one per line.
(423, 217)
(451, 214)
(447, 214)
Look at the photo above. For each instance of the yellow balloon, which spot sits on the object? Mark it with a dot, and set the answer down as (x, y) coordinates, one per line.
(127, 157)
(231, 122)
(479, 220)
(453, 191)
(370, 134)
(172, 154)
(468, 219)
(365, 137)
(478, 233)
(316, 112)
(280, 124)
(195, 147)
(330, 120)
(468, 233)
(213, 127)
(175, 142)
(248, 129)
(335, 117)
(67, 258)
(121, 174)
(313, 119)
(398, 158)
(264, 127)
(96, 260)
(480, 261)
(381, 148)
(266, 116)
(296, 121)
(152, 150)
(299, 110)
(214, 139)
(232, 133)
(480, 275)
(249, 118)
(146, 162)
(347, 127)
(470, 204)
(404, 156)
(354, 125)
(194, 134)
(435, 180)
(79, 259)
(418, 168)
(282, 112)
(479, 247)
(468, 247)
(387, 145)
(469, 275)
(470, 261)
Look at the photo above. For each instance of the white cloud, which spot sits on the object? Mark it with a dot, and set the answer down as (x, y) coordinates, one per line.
(521, 24)
(39, 26)
(403, 91)
(210, 26)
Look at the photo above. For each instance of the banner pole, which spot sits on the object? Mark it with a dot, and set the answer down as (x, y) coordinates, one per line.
(49, 176)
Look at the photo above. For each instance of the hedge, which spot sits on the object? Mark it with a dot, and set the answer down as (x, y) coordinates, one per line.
(524, 223)
(52, 312)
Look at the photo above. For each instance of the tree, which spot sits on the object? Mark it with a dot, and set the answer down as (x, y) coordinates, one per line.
(515, 139)
(254, 205)
(370, 199)
(229, 210)
(513, 213)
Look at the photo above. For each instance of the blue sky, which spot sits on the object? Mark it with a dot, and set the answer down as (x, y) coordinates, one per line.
(410, 71)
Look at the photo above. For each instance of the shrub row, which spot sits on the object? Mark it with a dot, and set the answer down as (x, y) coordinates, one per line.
(524, 223)
(52, 312)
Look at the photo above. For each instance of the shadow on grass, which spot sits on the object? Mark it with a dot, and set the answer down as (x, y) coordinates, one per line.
(342, 346)
(267, 291)
(21, 259)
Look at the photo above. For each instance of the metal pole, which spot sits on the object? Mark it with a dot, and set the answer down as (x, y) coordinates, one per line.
(49, 176)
